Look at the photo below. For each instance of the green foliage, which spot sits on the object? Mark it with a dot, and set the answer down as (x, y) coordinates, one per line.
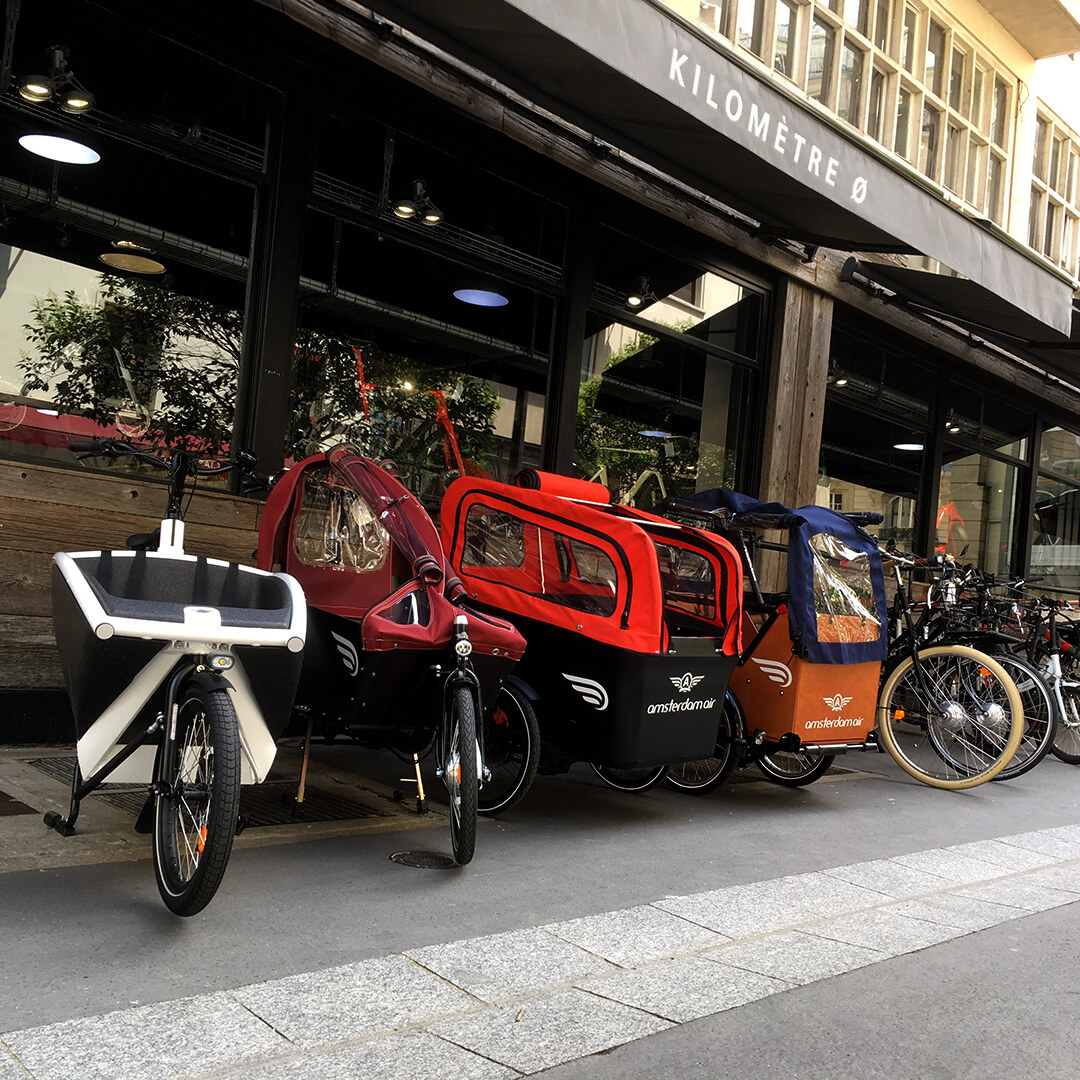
(182, 357)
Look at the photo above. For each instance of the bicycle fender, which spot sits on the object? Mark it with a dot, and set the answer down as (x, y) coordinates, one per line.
(210, 680)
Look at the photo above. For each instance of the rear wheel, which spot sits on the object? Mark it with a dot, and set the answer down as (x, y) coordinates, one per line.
(707, 774)
(633, 780)
(795, 768)
(511, 751)
(195, 818)
(963, 729)
(458, 763)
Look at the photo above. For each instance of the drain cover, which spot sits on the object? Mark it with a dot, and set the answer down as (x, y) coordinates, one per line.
(424, 860)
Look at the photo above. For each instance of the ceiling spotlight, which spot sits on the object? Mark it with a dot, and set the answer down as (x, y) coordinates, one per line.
(57, 149)
(842, 381)
(481, 297)
(907, 446)
(36, 88)
(954, 429)
(73, 97)
(418, 203)
(76, 102)
(641, 296)
(133, 264)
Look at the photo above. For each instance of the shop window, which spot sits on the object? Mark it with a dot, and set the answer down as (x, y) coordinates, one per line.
(976, 516)
(1055, 549)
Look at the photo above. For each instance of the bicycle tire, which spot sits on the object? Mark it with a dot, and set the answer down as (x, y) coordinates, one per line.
(795, 768)
(1067, 737)
(511, 751)
(990, 735)
(195, 819)
(707, 774)
(1040, 716)
(634, 781)
(458, 762)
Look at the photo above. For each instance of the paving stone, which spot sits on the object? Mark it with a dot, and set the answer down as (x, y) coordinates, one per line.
(409, 1054)
(795, 956)
(884, 931)
(547, 1031)
(950, 865)
(888, 877)
(1018, 892)
(1049, 842)
(636, 936)
(152, 1042)
(1065, 832)
(9, 1068)
(1007, 856)
(741, 910)
(502, 966)
(824, 894)
(352, 1001)
(684, 990)
(1065, 877)
(959, 911)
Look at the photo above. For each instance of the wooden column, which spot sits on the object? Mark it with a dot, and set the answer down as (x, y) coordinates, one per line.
(798, 374)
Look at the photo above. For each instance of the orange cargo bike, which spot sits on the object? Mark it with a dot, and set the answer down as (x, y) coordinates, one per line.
(808, 684)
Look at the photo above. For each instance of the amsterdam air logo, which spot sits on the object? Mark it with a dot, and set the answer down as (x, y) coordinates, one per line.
(591, 691)
(685, 683)
(777, 672)
(348, 653)
(836, 702)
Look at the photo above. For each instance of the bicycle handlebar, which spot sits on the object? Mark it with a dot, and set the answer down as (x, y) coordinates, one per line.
(104, 446)
(862, 518)
(753, 519)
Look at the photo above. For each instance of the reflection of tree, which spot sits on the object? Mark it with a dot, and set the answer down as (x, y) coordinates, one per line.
(613, 444)
(179, 357)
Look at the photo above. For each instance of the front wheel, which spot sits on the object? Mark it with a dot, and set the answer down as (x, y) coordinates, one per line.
(633, 780)
(457, 759)
(795, 768)
(962, 729)
(707, 774)
(511, 751)
(1067, 737)
(195, 815)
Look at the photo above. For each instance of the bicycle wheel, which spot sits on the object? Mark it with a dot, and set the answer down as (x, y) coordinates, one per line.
(633, 780)
(1040, 716)
(707, 774)
(1067, 737)
(971, 737)
(195, 819)
(795, 768)
(458, 764)
(511, 751)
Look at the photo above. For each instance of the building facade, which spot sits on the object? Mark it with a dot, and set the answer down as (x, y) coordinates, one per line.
(817, 251)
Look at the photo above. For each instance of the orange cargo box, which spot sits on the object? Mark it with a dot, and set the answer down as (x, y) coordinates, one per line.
(821, 703)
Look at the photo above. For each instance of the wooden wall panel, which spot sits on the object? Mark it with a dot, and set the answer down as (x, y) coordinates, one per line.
(43, 510)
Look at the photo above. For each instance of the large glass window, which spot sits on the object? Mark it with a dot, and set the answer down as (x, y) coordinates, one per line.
(1055, 547)
(822, 49)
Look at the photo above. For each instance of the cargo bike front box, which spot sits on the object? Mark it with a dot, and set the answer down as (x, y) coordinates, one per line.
(632, 622)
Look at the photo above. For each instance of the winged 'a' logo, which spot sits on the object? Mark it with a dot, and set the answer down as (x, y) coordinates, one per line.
(591, 691)
(685, 683)
(837, 701)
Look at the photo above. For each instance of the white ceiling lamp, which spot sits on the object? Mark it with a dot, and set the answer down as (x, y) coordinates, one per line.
(56, 148)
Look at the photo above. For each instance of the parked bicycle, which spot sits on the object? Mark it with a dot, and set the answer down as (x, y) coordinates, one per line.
(181, 671)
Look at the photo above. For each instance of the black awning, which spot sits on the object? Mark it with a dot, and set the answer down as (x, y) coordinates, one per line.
(632, 73)
(956, 298)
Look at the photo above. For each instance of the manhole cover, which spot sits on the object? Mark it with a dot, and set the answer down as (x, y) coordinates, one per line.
(424, 860)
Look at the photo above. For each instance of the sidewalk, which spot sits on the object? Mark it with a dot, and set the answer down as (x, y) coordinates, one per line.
(516, 1003)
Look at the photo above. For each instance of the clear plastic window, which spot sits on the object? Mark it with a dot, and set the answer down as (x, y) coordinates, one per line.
(688, 581)
(493, 538)
(843, 592)
(335, 528)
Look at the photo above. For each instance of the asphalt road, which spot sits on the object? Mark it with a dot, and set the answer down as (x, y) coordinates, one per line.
(86, 939)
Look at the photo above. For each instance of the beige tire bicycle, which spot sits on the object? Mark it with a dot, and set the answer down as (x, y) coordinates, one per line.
(950, 716)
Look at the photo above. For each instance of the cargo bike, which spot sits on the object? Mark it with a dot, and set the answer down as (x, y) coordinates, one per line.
(633, 621)
(180, 670)
(821, 674)
(396, 658)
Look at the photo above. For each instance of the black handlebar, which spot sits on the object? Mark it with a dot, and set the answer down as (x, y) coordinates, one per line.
(862, 518)
(753, 519)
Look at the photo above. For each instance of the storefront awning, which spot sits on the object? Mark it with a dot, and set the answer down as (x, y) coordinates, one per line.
(632, 74)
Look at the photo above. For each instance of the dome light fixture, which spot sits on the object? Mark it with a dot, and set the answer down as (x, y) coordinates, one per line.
(56, 148)
(481, 297)
(36, 89)
(641, 296)
(908, 446)
(133, 264)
